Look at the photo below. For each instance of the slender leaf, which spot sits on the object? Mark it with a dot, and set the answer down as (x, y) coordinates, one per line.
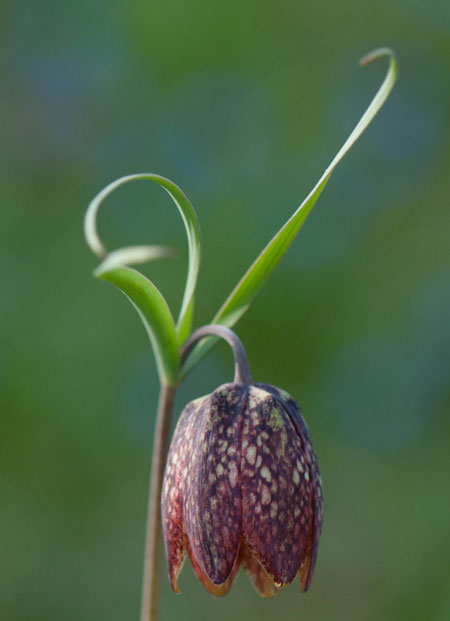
(259, 272)
(138, 254)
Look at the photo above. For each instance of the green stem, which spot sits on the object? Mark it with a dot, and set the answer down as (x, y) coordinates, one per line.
(150, 585)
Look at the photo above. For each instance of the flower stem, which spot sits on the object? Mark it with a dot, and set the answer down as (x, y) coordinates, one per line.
(241, 369)
(150, 585)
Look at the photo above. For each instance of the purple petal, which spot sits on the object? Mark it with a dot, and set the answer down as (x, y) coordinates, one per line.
(212, 507)
(172, 490)
(276, 490)
(295, 414)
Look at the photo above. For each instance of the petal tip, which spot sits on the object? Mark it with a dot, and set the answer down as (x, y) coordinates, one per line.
(218, 590)
(174, 585)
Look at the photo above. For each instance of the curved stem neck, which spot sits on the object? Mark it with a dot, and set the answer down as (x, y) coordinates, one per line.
(241, 369)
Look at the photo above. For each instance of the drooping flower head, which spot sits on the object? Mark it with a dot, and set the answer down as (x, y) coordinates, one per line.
(242, 487)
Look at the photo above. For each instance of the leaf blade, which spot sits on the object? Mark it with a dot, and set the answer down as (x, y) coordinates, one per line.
(261, 269)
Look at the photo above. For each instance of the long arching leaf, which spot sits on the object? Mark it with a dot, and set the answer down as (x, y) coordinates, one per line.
(259, 272)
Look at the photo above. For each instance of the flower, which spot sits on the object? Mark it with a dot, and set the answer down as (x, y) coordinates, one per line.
(242, 487)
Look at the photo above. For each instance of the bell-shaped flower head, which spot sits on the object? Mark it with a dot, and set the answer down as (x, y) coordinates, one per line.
(242, 485)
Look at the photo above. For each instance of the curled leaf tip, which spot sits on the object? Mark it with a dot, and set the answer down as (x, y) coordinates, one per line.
(380, 52)
(133, 255)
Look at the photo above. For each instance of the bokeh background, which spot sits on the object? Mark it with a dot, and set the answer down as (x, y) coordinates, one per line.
(243, 104)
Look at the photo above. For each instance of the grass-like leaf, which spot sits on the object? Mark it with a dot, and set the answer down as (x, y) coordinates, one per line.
(259, 272)
(139, 254)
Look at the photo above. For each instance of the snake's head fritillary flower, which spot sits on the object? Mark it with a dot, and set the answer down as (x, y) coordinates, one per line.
(242, 487)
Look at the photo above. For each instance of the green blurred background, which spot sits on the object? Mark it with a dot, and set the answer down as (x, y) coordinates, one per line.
(243, 104)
